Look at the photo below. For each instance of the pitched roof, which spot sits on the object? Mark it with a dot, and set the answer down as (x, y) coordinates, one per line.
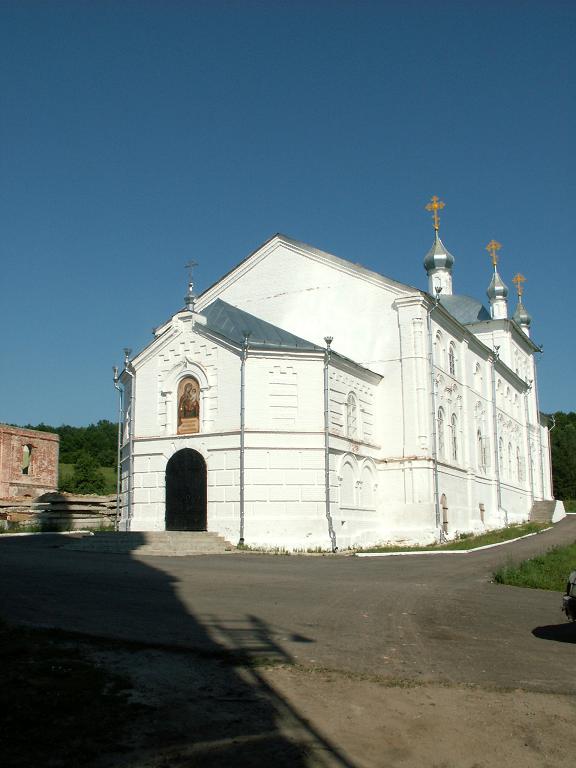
(465, 309)
(233, 324)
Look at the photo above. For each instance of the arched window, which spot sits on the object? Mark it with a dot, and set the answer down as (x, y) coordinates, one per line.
(188, 406)
(367, 487)
(452, 359)
(352, 416)
(348, 486)
(510, 461)
(480, 452)
(478, 378)
(454, 437)
(519, 466)
(26, 459)
(439, 350)
(441, 432)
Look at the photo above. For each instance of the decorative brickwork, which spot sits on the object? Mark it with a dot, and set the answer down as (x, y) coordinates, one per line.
(28, 461)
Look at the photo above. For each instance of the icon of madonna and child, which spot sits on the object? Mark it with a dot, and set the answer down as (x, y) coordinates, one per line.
(188, 406)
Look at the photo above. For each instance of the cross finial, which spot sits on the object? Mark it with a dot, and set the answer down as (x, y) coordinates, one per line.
(518, 279)
(493, 247)
(190, 267)
(435, 205)
(190, 298)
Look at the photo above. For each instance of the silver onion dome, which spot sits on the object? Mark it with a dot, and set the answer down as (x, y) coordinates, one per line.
(497, 288)
(521, 315)
(438, 257)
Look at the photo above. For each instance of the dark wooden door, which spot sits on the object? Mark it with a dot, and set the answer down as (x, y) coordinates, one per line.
(186, 492)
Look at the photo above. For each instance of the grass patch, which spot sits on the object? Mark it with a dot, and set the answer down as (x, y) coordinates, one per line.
(549, 571)
(570, 505)
(469, 541)
(57, 708)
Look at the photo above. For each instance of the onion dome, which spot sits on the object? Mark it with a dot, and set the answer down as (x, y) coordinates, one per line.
(438, 257)
(497, 288)
(521, 315)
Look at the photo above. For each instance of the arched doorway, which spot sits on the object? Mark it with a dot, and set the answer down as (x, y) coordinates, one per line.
(444, 505)
(186, 492)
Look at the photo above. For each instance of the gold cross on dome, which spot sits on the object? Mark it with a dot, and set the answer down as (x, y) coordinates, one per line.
(435, 205)
(492, 249)
(518, 279)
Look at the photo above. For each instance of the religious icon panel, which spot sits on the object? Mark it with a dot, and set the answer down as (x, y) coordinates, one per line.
(188, 406)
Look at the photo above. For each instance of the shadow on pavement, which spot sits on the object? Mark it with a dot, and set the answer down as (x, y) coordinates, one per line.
(212, 701)
(561, 633)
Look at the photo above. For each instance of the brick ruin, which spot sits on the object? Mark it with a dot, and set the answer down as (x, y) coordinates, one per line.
(28, 462)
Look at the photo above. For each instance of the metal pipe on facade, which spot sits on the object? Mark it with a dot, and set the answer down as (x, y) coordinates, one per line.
(436, 478)
(331, 532)
(119, 446)
(529, 457)
(127, 370)
(539, 427)
(495, 357)
(550, 454)
(242, 430)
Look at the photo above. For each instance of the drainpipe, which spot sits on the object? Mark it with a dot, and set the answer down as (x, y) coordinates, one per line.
(550, 455)
(331, 532)
(119, 446)
(127, 370)
(242, 430)
(429, 311)
(541, 460)
(496, 357)
(529, 457)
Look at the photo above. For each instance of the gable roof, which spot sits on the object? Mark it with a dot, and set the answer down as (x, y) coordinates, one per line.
(465, 309)
(233, 324)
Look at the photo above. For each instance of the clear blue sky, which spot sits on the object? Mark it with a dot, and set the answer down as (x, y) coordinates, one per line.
(137, 135)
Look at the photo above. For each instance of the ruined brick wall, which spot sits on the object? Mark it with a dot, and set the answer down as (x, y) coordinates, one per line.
(28, 461)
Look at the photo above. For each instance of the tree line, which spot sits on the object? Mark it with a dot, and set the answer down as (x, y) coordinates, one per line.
(563, 443)
(97, 440)
(87, 449)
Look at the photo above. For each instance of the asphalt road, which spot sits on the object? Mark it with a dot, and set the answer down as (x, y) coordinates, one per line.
(436, 618)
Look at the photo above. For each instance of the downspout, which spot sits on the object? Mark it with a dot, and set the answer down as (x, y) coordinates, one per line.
(119, 447)
(496, 357)
(529, 457)
(331, 532)
(129, 504)
(540, 457)
(550, 454)
(242, 430)
(436, 479)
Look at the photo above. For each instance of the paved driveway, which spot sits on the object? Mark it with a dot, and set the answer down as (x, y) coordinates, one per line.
(432, 618)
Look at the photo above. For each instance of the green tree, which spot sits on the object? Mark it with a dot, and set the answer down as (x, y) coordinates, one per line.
(563, 443)
(87, 477)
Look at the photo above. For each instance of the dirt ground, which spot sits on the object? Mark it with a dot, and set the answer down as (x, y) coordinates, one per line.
(208, 712)
(264, 661)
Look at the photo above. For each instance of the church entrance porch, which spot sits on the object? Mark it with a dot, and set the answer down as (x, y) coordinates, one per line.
(186, 492)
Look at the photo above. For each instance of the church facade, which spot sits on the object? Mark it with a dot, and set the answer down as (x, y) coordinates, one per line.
(306, 402)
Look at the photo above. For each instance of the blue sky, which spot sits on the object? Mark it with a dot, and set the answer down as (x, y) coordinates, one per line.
(137, 135)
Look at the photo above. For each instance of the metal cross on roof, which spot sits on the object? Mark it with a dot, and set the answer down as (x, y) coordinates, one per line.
(190, 267)
(435, 205)
(518, 279)
(492, 248)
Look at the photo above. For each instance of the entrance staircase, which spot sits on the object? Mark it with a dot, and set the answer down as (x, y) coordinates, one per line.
(155, 544)
(547, 511)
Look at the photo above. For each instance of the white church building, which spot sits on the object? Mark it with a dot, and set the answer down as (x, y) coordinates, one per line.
(304, 401)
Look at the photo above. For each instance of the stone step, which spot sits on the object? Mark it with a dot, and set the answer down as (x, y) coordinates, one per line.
(542, 511)
(153, 543)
